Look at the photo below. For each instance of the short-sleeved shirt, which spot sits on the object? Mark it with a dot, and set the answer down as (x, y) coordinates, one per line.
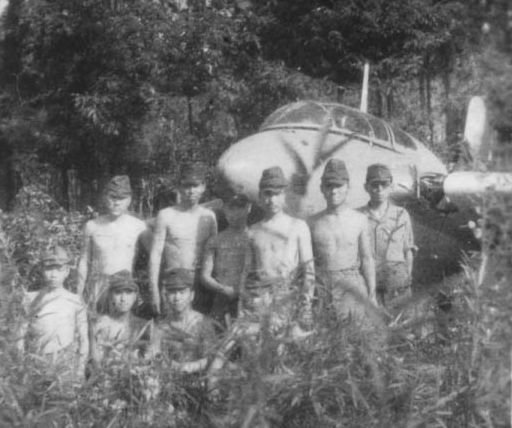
(391, 235)
(186, 341)
(230, 252)
(110, 334)
(54, 319)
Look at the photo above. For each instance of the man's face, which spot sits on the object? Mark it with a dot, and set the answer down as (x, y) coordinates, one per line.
(55, 275)
(379, 190)
(335, 194)
(190, 193)
(123, 300)
(180, 300)
(117, 206)
(272, 200)
(237, 216)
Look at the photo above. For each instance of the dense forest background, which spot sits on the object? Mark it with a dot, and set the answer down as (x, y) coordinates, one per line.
(92, 88)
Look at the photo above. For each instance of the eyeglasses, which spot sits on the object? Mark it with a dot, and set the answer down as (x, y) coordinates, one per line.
(376, 184)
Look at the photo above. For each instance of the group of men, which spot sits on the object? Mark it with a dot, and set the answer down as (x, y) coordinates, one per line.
(341, 261)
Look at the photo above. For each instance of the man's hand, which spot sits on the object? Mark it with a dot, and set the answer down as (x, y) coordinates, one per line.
(155, 302)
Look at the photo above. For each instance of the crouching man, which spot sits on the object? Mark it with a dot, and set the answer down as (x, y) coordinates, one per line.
(119, 333)
(184, 336)
(55, 325)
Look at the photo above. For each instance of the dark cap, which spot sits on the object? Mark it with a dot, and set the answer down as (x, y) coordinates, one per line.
(273, 178)
(237, 200)
(192, 174)
(378, 172)
(178, 279)
(122, 280)
(335, 172)
(55, 256)
(119, 187)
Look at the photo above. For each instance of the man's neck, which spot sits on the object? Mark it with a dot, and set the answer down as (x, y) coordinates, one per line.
(114, 217)
(49, 289)
(237, 228)
(337, 209)
(121, 316)
(180, 316)
(274, 216)
(378, 205)
(187, 207)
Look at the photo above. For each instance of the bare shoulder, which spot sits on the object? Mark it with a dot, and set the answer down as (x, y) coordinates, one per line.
(316, 218)
(72, 298)
(166, 215)
(299, 225)
(357, 216)
(135, 222)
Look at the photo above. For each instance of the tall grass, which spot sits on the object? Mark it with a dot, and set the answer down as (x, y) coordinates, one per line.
(443, 364)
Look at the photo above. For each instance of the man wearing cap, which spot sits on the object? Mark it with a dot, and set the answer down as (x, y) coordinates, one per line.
(55, 326)
(119, 329)
(181, 233)
(109, 244)
(342, 247)
(391, 238)
(280, 245)
(184, 336)
(226, 258)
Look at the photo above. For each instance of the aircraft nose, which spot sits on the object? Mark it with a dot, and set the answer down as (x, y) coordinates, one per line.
(240, 167)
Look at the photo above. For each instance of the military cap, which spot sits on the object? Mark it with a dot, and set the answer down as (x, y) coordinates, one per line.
(335, 172)
(192, 174)
(122, 280)
(119, 187)
(378, 172)
(273, 178)
(55, 256)
(178, 279)
(237, 200)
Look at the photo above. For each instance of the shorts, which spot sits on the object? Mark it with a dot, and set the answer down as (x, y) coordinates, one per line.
(393, 283)
(343, 291)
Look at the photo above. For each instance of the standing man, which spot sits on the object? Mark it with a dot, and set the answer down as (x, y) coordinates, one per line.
(110, 243)
(225, 262)
(341, 245)
(391, 238)
(280, 245)
(181, 233)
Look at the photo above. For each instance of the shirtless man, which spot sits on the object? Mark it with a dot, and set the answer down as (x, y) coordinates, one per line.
(55, 327)
(119, 329)
(110, 243)
(391, 238)
(184, 336)
(341, 245)
(181, 233)
(226, 259)
(280, 245)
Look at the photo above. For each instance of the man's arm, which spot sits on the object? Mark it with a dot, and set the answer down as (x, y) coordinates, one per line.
(207, 269)
(85, 259)
(83, 339)
(155, 258)
(306, 260)
(367, 262)
(409, 246)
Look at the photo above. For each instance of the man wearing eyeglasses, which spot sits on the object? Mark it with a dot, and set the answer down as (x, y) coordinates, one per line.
(391, 238)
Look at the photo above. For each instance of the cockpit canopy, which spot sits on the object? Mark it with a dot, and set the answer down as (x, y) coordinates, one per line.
(343, 120)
